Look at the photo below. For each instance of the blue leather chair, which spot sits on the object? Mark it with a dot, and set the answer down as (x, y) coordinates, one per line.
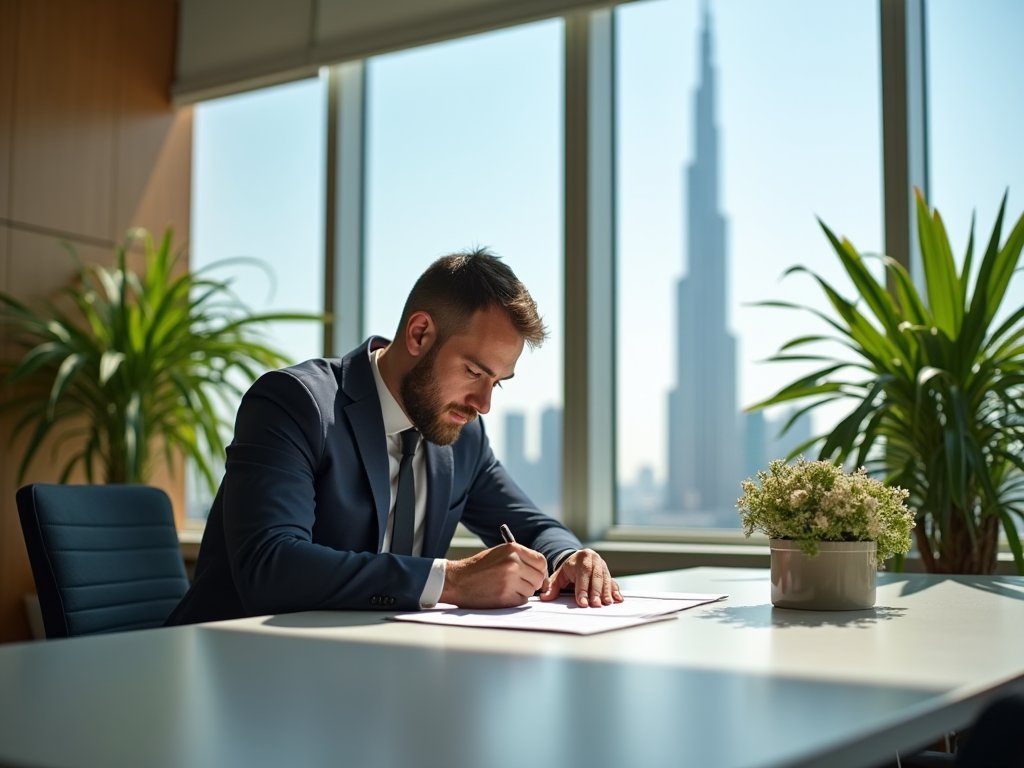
(105, 558)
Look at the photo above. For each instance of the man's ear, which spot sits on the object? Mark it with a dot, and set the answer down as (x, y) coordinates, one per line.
(420, 333)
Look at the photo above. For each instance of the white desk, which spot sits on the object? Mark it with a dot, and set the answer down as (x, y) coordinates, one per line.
(728, 684)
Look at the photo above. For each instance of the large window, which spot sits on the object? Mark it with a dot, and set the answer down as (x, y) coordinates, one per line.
(464, 150)
(737, 124)
(258, 193)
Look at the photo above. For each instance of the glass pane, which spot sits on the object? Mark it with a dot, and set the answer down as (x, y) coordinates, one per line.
(258, 164)
(975, 116)
(736, 128)
(464, 149)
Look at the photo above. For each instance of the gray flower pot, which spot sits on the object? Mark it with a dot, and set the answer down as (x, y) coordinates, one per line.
(840, 578)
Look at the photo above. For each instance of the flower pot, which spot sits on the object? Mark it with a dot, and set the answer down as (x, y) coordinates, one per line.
(840, 578)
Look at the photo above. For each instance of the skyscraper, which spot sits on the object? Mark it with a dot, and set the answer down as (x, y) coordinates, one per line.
(540, 479)
(550, 469)
(515, 450)
(704, 461)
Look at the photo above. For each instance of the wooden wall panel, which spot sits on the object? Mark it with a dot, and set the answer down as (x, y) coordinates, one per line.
(160, 197)
(13, 624)
(39, 265)
(15, 574)
(154, 143)
(4, 235)
(65, 115)
(92, 147)
(8, 51)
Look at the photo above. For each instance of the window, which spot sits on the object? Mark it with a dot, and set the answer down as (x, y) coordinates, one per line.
(736, 127)
(975, 111)
(258, 193)
(464, 150)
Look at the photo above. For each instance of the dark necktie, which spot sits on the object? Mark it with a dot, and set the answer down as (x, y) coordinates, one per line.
(405, 500)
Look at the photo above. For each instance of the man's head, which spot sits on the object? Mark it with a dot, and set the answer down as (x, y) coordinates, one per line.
(463, 329)
(456, 287)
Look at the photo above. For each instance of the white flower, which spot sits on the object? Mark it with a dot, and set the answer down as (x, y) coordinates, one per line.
(821, 521)
(796, 497)
(830, 501)
(871, 503)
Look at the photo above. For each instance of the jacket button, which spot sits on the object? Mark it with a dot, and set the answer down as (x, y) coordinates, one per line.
(374, 600)
(391, 601)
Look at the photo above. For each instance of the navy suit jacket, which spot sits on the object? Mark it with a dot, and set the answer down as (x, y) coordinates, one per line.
(300, 516)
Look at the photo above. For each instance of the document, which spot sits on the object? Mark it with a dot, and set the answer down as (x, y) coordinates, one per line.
(563, 615)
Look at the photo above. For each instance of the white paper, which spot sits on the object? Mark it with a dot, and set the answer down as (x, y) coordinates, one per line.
(564, 615)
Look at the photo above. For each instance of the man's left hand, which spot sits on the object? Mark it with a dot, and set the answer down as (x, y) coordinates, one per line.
(589, 572)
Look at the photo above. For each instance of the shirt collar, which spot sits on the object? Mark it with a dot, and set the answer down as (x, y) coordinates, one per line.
(395, 420)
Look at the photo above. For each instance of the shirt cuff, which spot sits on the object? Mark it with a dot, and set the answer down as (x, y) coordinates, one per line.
(435, 584)
(560, 557)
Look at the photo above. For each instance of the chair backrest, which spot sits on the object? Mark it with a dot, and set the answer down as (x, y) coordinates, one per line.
(105, 558)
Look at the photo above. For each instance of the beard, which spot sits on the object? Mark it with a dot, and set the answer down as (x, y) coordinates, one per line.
(425, 406)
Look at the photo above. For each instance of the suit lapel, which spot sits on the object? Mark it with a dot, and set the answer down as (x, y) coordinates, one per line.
(368, 428)
(367, 424)
(440, 471)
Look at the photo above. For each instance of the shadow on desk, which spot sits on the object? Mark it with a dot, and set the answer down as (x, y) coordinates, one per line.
(765, 616)
(1003, 586)
(325, 620)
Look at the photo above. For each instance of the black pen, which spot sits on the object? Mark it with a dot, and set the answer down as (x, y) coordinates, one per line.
(506, 534)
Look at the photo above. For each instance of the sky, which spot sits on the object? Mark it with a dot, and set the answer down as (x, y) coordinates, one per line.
(464, 149)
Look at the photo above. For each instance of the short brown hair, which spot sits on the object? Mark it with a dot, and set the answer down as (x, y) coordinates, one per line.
(456, 287)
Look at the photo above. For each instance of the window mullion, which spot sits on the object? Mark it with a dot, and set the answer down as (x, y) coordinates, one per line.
(345, 222)
(904, 126)
(588, 485)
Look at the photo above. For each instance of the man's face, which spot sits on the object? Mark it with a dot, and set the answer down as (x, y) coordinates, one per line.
(452, 383)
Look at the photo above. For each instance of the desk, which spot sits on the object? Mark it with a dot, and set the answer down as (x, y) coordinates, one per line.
(727, 684)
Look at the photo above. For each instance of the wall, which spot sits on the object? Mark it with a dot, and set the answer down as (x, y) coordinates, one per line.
(89, 146)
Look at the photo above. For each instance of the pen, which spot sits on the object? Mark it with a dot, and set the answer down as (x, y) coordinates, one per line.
(506, 534)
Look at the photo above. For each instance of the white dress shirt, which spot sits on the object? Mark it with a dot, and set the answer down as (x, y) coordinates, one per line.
(395, 422)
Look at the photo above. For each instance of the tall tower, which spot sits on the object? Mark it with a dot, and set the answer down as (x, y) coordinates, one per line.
(704, 461)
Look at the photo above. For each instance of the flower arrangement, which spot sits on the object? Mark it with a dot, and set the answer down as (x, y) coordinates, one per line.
(814, 501)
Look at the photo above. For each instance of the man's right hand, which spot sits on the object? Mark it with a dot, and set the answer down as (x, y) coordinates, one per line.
(500, 577)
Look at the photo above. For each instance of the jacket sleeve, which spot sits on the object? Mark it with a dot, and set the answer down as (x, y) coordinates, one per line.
(270, 508)
(494, 498)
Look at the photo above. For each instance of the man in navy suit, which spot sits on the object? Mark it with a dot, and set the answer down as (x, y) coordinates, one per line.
(346, 478)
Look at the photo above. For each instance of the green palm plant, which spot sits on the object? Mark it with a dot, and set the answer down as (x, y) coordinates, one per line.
(936, 384)
(124, 362)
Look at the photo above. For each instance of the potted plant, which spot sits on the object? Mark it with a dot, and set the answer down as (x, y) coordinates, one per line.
(829, 532)
(935, 383)
(124, 362)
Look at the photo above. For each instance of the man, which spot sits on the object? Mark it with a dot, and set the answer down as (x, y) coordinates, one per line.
(346, 478)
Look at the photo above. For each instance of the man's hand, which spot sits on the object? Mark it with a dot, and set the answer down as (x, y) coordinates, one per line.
(496, 578)
(589, 572)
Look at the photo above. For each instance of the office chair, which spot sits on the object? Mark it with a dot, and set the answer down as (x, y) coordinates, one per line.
(105, 558)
